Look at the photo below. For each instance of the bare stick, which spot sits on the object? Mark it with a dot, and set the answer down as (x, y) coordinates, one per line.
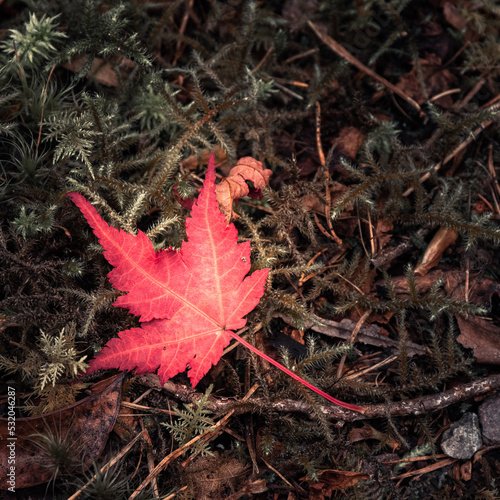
(342, 52)
(322, 160)
(417, 406)
(179, 451)
(452, 155)
(354, 334)
(182, 29)
(266, 55)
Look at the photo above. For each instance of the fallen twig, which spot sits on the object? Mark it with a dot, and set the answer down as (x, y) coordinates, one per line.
(179, 451)
(342, 52)
(367, 334)
(454, 153)
(417, 406)
(326, 172)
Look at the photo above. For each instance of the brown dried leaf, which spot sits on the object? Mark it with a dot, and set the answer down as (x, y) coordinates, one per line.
(479, 334)
(349, 141)
(312, 203)
(86, 423)
(369, 432)
(443, 238)
(235, 185)
(331, 480)
(436, 78)
(482, 336)
(453, 16)
(466, 471)
(101, 70)
(382, 233)
(315, 205)
(295, 334)
(192, 162)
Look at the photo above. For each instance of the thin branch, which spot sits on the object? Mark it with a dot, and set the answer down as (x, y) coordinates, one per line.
(342, 52)
(454, 153)
(417, 406)
(179, 451)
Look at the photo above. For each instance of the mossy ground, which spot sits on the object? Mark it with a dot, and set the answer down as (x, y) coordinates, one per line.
(382, 212)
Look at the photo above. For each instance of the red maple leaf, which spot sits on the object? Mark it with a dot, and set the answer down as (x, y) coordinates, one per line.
(189, 301)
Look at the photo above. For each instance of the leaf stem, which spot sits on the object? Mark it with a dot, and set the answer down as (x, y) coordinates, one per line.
(359, 409)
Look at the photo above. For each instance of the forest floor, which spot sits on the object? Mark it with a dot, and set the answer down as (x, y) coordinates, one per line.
(355, 148)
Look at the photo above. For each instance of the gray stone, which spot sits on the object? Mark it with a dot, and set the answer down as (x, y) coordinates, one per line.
(489, 416)
(463, 438)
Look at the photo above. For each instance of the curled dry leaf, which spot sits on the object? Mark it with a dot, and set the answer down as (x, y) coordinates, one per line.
(443, 238)
(235, 185)
(86, 424)
(330, 480)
